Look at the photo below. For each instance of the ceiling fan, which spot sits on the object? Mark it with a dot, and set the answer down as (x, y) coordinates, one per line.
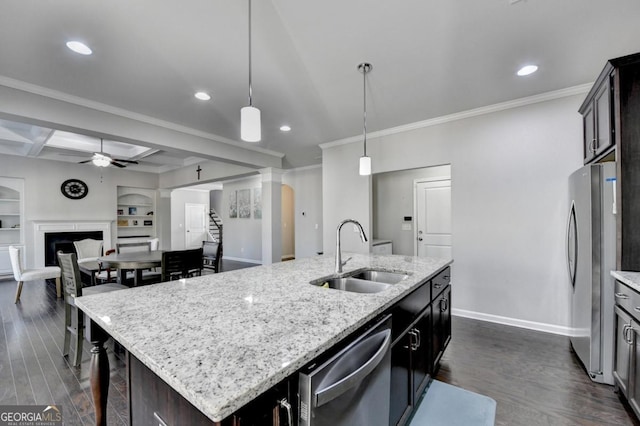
(101, 159)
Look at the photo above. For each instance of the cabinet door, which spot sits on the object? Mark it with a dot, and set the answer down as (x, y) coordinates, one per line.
(589, 126)
(623, 350)
(400, 381)
(421, 352)
(634, 371)
(441, 325)
(603, 117)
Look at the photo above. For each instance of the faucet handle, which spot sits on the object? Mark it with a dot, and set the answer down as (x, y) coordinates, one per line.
(348, 259)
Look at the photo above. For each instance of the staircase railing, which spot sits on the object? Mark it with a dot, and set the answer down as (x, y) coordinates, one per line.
(215, 225)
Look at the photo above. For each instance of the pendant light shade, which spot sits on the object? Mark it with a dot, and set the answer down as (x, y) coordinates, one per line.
(365, 166)
(250, 127)
(365, 161)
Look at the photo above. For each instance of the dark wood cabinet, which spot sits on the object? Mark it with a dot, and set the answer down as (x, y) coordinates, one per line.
(418, 334)
(597, 119)
(626, 366)
(612, 132)
(441, 324)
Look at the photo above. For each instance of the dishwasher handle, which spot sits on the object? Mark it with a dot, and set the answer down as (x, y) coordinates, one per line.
(329, 393)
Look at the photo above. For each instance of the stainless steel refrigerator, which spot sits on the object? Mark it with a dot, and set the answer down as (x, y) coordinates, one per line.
(591, 255)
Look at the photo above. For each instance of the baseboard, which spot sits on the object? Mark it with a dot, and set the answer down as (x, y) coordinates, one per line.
(288, 257)
(239, 259)
(531, 325)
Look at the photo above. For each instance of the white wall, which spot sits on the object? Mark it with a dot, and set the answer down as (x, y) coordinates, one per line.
(179, 197)
(393, 198)
(242, 238)
(44, 201)
(307, 187)
(509, 201)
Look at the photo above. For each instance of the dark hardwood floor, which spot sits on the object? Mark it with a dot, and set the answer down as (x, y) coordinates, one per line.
(534, 377)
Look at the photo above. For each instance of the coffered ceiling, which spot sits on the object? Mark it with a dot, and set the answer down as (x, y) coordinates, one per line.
(430, 58)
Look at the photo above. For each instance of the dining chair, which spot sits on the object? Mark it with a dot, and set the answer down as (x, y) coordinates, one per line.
(212, 255)
(104, 274)
(193, 262)
(142, 246)
(88, 251)
(155, 244)
(74, 318)
(173, 265)
(21, 275)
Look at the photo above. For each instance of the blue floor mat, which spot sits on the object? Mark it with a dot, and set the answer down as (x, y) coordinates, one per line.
(446, 405)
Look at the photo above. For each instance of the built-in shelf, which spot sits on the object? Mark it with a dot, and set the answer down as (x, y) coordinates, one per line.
(11, 220)
(135, 212)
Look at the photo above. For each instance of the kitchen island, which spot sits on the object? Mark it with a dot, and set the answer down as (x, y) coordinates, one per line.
(222, 340)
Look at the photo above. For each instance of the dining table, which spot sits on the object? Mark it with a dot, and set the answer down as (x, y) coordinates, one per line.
(135, 261)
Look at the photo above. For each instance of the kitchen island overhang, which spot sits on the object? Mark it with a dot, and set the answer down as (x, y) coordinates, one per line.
(222, 340)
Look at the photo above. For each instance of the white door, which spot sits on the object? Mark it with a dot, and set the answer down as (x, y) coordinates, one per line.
(195, 225)
(433, 218)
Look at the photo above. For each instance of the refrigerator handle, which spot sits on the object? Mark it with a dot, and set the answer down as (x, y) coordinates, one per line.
(572, 263)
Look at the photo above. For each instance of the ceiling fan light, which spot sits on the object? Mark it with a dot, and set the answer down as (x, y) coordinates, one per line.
(365, 166)
(100, 160)
(250, 130)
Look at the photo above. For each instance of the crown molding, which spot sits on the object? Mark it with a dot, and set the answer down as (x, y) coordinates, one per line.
(516, 103)
(86, 103)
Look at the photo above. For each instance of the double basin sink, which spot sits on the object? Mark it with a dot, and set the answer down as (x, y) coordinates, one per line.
(362, 281)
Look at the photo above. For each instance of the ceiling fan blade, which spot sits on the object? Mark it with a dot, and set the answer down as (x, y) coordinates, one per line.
(125, 161)
(85, 161)
(122, 166)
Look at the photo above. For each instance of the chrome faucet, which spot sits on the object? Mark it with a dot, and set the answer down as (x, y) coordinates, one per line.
(363, 237)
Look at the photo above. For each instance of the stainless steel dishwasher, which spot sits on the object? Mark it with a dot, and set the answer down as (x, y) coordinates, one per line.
(353, 386)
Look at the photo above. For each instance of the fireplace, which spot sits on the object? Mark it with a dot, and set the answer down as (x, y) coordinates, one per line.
(54, 241)
(53, 235)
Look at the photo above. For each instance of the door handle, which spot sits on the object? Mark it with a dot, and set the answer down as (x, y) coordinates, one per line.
(419, 238)
(336, 389)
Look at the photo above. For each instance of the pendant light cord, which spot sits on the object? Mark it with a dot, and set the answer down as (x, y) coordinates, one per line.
(364, 90)
(250, 88)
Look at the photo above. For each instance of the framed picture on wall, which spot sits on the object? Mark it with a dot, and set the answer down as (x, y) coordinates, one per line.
(257, 203)
(244, 203)
(233, 205)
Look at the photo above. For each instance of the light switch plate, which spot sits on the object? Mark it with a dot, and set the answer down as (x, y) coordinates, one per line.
(406, 227)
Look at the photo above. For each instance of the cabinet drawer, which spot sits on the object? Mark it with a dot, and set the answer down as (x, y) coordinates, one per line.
(407, 310)
(440, 282)
(628, 299)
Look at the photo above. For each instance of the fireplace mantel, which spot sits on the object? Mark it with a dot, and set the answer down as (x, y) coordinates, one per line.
(41, 227)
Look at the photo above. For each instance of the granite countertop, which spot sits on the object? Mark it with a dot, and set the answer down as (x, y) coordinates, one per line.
(222, 340)
(632, 279)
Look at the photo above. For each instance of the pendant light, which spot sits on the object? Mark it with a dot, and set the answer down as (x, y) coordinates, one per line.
(250, 128)
(365, 161)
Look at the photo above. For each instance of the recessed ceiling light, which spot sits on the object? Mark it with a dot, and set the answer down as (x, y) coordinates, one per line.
(79, 47)
(527, 69)
(203, 96)
(285, 128)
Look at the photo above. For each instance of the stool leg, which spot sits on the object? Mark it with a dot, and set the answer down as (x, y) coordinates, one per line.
(18, 291)
(67, 332)
(79, 338)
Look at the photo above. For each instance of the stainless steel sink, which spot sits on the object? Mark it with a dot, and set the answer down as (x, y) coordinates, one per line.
(381, 276)
(353, 285)
(362, 281)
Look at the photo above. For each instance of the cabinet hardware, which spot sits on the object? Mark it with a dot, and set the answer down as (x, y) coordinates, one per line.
(159, 419)
(637, 309)
(621, 296)
(283, 403)
(413, 339)
(437, 285)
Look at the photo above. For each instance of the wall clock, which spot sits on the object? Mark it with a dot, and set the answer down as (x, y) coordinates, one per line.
(74, 189)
